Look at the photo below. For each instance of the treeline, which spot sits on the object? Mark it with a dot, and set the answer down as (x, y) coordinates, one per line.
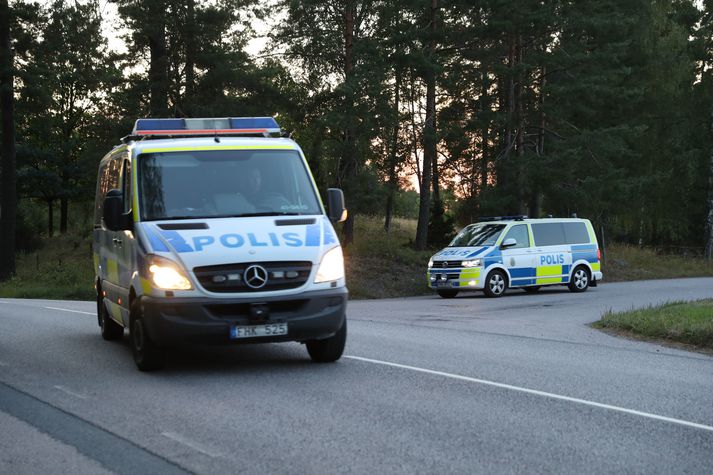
(601, 108)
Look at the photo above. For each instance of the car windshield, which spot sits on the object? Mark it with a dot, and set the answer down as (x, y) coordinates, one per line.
(478, 235)
(224, 183)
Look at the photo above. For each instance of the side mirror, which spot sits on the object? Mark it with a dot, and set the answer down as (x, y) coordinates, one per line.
(509, 242)
(335, 205)
(114, 219)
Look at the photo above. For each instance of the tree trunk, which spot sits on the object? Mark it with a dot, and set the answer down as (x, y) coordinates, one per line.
(485, 155)
(63, 214)
(348, 162)
(709, 219)
(520, 131)
(158, 65)
(429, 135)
(50, 217)
(535, 208)
(393, 183)
(190, 58)
(8, 211)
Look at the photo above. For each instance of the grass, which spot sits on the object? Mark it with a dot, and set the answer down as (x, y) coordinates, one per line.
(624, 262)
(689, 323)
(61, 269)
(378, 265)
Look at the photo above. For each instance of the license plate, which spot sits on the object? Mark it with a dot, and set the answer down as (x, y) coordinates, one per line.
(443, 283)
(256, 331)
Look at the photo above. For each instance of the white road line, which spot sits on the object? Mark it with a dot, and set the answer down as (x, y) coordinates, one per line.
(4, 302)
(191, 444)
(537, 393)
(73, 311)
(70, 392)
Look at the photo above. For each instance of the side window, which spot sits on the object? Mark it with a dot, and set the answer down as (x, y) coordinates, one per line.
(100, 193)
(520, 234)
(576, 233)
(126, 185)
(548, 234)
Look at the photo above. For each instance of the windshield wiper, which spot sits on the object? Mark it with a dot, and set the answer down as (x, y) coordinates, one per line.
(261, 213)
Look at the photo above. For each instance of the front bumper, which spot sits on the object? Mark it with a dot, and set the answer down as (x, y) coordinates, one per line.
(187, 321)
(456, 278)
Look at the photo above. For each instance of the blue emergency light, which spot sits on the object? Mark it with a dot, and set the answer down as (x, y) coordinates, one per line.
(210, 126)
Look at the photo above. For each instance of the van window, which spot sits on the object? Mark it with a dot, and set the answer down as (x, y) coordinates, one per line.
(576, 233)
(520, 234)
(126, 185)
(478, 235)
(224, 183)
(548, 234)
(108, 179)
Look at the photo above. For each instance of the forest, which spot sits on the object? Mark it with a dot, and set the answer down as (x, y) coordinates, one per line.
(435, 110)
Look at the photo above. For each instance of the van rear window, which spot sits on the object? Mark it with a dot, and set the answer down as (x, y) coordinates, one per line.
(556, 234)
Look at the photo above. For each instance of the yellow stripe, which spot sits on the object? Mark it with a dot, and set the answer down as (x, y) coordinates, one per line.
(549, 270)
(146, 286)
(96, 263)
(549, 280)
(135, 186)
(590, 230)
(465, 284)
(470, 274)
(218, 147)
(112, 270)
(596, 267)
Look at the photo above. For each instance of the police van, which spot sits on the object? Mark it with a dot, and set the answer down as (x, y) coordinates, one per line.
(212, 231)
(514, 252)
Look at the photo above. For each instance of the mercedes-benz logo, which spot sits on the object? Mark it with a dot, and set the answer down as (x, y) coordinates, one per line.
(444, 264)
(255, 277)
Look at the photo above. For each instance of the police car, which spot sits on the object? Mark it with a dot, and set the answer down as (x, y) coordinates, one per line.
(212, 231)
(514, 252)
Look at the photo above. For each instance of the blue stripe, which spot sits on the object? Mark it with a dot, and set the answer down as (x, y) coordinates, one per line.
(584, 247)
(519, 272)
(476, 252)
(156, 243)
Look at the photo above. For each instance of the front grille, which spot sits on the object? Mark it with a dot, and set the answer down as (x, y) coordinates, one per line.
(230, 277)
(231, 311)
(446, 264)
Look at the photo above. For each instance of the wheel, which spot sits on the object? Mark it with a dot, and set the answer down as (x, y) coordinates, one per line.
(330, 349)
(447, 294)
(495, 284)
(109, 328)
(531, 289)
(580, 279)
(147, 355)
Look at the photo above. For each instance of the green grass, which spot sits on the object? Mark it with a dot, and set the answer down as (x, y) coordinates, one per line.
(623, 262)
(61, 269)
(380, 264)
(689, 323)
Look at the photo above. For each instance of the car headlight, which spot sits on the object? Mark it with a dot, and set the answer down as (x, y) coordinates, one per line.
(430, 263)
(472, 263)
(332, 266)
(166, 275)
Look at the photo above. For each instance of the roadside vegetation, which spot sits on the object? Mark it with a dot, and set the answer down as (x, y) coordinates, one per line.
(688, 323)
(378, 264)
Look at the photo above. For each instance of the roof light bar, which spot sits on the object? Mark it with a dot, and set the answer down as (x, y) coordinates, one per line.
(207, 126)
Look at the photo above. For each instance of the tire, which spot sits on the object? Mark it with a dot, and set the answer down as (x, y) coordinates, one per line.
(329, 349)
(447, 294)
(496, 283)
(531, 290)
(147, 355)
(110, 330)
(580, 279)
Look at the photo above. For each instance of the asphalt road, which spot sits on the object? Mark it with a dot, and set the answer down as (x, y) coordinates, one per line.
(468, 385)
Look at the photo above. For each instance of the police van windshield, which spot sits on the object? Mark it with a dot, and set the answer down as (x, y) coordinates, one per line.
(224, 183)
(478, 235)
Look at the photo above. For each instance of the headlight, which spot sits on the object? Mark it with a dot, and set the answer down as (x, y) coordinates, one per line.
(472, 263)
(332, 266)
(166, 275)
(430, 263)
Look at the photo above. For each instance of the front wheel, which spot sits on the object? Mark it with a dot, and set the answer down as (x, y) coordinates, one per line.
(447, 294)
(147, 355)
(329, 349)
(109, 328)
(580, 279)
(495, 284)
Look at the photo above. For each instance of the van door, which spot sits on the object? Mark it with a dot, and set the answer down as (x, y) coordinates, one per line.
(519, 259)
(552, 255)
(108, 256)
(124, 241)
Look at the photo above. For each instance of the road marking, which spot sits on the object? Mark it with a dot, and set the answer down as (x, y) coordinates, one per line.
(191, 444)
(73, 311)
(537, 393)
(70, 392)
(4, 302)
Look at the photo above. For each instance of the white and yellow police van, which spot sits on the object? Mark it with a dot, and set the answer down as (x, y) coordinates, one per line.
(515, 252)
(212, 231)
